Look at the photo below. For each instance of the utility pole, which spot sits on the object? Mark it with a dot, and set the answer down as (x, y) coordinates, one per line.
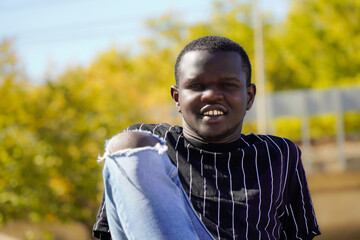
(259, 69)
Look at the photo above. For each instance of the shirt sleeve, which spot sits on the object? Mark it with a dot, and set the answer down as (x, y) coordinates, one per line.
(101, 228)
(299, 220)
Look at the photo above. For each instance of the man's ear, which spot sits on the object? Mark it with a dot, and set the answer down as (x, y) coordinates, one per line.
(175, 96)
(251, 92)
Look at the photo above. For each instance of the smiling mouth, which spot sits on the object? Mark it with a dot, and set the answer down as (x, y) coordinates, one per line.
(213, 113)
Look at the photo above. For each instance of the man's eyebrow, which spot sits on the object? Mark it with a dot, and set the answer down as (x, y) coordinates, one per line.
(191, 80)
(232, 78)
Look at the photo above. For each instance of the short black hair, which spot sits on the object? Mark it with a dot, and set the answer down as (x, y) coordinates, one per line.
(214, 44)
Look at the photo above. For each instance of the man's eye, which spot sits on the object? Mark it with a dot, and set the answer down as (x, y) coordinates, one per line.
(196, 86)
(228, 85)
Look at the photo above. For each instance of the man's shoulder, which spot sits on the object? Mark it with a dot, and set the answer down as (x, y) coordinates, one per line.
(160, 129)
(271, 140)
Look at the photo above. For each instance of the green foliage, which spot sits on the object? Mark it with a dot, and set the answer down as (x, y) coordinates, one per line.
(249, 127)
(48, 149)
(10, 67)
(288, 127)
(322, 126)
(52, 134)
(352, 123)
(318, 46)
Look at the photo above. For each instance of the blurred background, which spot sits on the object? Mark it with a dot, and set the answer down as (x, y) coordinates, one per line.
(74, 72)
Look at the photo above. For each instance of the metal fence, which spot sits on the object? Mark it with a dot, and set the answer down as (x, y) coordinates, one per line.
(303, 104)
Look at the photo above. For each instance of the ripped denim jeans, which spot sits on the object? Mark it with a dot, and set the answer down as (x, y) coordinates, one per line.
(144, 197)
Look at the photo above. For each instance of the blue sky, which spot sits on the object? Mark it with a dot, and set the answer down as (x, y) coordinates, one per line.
(56, 34)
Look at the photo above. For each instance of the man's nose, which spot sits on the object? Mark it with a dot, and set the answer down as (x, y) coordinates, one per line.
(212, 94)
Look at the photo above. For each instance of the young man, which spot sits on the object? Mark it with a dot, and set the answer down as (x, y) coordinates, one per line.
(205, 180)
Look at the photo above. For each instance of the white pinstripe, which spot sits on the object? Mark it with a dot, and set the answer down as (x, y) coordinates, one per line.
(204, 196)
(218, 191)
(153, 131)
(190, 182)
(232, 198)
(244, 141)
(301, 190)
(101, 213)
(281, 214)
(287, 210)
(280, 184)
(312, 210)
(285, 234)
(272, 189)
(188, 152)
(177, 152)
(201, 163)
(286, 174)
(296, 226)
(177, 141)
(190, 169)
(246, 196)
(258, 179)
(302, 200)
(281, 169)
(202, 174)
(272, 185)
(166, 133)
(287, 166)
(312, 207)
(177, 159)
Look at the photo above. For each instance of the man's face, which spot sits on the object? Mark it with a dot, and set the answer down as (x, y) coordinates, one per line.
(212, 95)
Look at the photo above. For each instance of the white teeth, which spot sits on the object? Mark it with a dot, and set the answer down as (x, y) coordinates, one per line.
(214, 113)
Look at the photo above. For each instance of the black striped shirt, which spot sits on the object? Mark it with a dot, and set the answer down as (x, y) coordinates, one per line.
(253, 188)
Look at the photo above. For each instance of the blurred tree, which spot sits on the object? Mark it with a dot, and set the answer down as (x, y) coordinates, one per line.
(13, 140)
(51, 134)
(46, 175)
(11, 69)
(318, 45)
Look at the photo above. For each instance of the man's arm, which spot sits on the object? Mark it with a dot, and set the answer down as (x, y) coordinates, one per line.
(299, 218)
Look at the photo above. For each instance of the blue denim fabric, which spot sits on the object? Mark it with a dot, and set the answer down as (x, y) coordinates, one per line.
(145, 199)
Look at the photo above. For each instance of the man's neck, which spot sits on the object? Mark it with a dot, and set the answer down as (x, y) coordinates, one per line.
(190, 133)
